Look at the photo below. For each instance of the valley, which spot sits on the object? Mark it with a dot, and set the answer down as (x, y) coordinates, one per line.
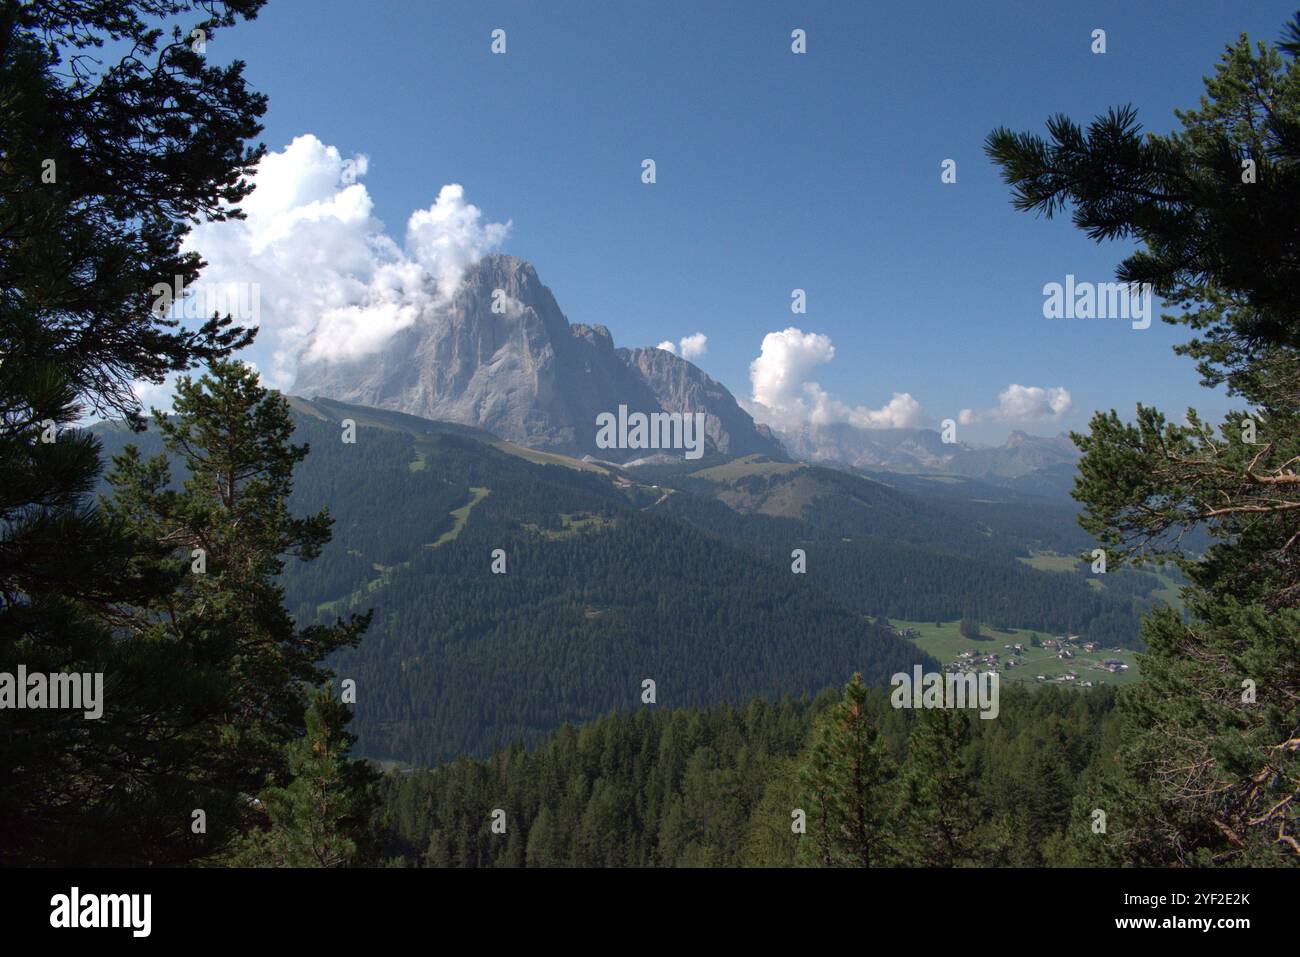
(623, 440)
(1034, 664)
(677, 571)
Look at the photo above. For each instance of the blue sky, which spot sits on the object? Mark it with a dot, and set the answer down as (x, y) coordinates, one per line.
(775, 171)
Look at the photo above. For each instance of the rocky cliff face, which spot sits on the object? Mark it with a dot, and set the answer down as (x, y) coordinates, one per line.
(502, 356)
(680, 386)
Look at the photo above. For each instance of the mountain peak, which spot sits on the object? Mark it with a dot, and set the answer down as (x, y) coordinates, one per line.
(514, 277)
(500, 355)
(500, 264)
(598, 336)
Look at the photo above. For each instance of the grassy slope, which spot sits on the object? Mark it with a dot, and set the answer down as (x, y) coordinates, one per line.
(458, 516)
(329, 410)
(1167, 593)
(746, 466)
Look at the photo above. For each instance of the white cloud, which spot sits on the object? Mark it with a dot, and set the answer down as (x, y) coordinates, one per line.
(690, 347)
(786, 360)
(155, 395)
(330, 283)
(900, 412)
(447, 237)
(1021, 403)
(785, 396)
(693, 347)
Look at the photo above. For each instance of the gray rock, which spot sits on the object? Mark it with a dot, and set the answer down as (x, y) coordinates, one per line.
(526, 375)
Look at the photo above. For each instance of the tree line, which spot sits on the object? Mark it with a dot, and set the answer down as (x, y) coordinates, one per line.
(218, 742)
(838, 779)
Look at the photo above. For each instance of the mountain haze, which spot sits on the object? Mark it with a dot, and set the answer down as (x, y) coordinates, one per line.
(1026, 462)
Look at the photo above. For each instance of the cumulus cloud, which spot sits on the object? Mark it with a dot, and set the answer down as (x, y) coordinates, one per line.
(155, 395)
(328, 282)
(690, 347)
(785, 361)
(900, 412)
(447, 237)
(693, 347)
(786, 396)
(1022, 403)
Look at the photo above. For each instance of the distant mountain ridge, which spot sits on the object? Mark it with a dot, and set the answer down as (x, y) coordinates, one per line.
(501, 356)
(1026, 462)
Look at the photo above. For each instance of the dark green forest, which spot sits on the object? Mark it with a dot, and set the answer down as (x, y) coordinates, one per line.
(605, 588)
(686, 787)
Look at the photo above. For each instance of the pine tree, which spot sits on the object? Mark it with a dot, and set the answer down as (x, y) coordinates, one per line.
(544, 847)
(773, 840)
(1209, 767)
(323, 816)
(74, 788)
(227, 532)
(103, 167)
(937, 815)
(844, 779)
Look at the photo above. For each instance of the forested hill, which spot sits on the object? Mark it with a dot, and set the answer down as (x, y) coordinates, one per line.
(612, 579)
(883, 550)
(599, 594)
(716, 787)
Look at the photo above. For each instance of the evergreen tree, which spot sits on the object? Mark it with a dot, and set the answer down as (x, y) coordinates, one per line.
(844, 779)
(544, 848)
(105, 164)
(227, 532)
(936, 814)
(323, 816)
(1209, 768)
(743, 779)
(773, 840)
